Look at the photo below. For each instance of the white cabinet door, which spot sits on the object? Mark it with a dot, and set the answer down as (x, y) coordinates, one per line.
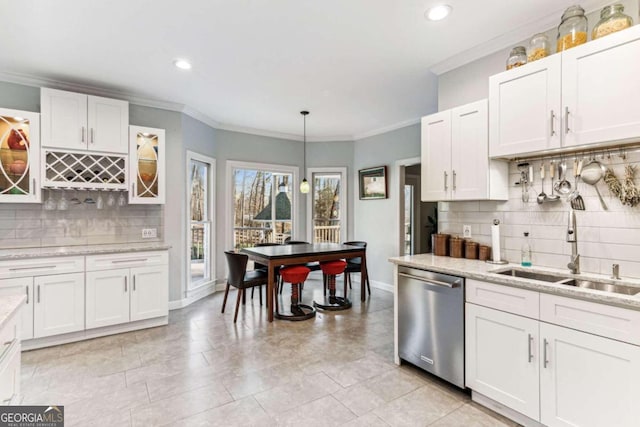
(502, 359)
(469, 152)
(149, 292)
(524, 108)
(108, 122)
(600, 89)
(436, 157)
(59, 304)
(587, 380)
(146, 165)
(21, 286)
(64, 119)
(107, 297)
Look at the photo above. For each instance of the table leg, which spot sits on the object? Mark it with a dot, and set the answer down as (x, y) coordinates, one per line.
(271, 273)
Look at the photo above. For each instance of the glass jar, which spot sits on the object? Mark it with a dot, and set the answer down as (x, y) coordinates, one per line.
(573, 28)
(538, 47)
(517, 57)
(611, 20)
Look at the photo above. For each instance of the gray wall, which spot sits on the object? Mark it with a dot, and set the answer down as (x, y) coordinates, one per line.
(377, 221)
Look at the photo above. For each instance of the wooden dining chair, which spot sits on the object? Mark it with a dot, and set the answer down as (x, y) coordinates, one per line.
(354, 265)
(241, 279)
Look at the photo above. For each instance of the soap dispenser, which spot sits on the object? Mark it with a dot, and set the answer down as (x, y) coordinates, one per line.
(525, 258)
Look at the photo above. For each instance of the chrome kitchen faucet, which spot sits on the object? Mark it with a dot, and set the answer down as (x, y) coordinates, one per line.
(572, 237)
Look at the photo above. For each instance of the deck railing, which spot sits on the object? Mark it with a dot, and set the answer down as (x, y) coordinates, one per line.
(245, 237)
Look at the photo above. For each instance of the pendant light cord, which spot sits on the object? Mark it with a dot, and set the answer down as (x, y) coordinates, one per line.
(304, 155)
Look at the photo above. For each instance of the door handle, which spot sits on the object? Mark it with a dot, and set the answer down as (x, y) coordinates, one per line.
(553, 118)
(566, 120)
(445, 181)
(545, 362)
(82, 140)
(134, 282)
(454, 180)
(38, 299)
(27, 294)
(530, 353)
(125, 283)
(33, 186)
(431, 281)
(92, 135)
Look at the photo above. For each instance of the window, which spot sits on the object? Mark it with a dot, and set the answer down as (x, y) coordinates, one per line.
(327, 205)
(263, 200)
(201, 171)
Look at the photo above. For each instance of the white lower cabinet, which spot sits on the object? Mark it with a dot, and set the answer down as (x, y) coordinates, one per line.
(502, 358)
(10, 361)
(59, 304)
(126, 294)
(588, 380)
(19, 286)
(552, 374)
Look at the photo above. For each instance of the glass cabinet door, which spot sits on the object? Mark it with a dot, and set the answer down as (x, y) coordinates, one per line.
(146, 165)
(19, 156)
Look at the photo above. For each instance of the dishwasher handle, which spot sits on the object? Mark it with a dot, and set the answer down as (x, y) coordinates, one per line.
(454, 284)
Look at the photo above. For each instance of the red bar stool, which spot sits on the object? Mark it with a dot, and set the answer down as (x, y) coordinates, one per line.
(330, 270)
(296, 275)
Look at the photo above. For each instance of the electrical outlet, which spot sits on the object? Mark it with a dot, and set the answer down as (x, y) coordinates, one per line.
(149, 233)
(466, 231)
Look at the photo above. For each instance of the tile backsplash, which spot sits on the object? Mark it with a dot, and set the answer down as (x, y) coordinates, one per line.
(604, 237)
(30, 225)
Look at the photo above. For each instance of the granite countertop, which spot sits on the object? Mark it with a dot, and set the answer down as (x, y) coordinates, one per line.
(480, 270)
(53, 251)
(8, 306)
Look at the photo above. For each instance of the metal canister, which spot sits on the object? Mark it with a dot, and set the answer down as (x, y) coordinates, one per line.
(441, 244)
(456, 247)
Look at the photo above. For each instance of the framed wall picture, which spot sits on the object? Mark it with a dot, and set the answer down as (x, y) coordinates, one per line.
(373, 183)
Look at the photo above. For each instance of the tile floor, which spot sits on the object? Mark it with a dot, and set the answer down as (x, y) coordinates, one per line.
(204, 370)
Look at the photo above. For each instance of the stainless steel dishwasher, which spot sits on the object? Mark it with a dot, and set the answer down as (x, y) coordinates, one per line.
(431, 322)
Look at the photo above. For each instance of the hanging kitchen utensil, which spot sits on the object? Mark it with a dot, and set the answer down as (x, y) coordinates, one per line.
(542, 196)
(591, 174)
(563, 187)
(552, 171)
(576, 200)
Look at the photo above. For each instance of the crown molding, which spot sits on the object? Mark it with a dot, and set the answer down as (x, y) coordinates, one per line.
(509, 39)
(386, 129)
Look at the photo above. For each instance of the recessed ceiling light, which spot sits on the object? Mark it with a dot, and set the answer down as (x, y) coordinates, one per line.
(437, 13)
(182, 64)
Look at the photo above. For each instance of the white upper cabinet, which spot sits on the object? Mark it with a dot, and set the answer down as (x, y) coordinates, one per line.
(525, 108)
(455, 159)
(146, 165)
(584, 96)
(76, 121)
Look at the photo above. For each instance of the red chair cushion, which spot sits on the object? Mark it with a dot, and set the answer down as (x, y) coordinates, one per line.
(333, 267)
(294, 274)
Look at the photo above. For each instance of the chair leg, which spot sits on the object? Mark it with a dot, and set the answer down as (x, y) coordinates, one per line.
(259, 292)
(324, 283)
(224, 301)
(252, 289)
(240, 296)
(349, 276)
(244, 298)
(368, 286)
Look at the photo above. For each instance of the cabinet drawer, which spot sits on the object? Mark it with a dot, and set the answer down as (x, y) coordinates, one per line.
(126, 260)
(8, 338)
(600, 319)
(505, 298)
(10, 375)
(41, 266)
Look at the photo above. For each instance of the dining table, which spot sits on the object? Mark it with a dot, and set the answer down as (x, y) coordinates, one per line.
(283, 255)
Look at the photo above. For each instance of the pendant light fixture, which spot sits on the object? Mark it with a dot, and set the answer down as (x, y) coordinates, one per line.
(304, 185)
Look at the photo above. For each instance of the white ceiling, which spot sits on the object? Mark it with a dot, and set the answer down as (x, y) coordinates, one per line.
(357, 65)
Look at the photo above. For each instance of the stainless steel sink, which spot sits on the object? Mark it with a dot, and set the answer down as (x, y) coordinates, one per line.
(607, 287)
(525, 274)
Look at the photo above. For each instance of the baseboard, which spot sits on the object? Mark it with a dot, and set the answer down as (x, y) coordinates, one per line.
(197, 294)
(519, 418)
(374, 284)
(88, 334)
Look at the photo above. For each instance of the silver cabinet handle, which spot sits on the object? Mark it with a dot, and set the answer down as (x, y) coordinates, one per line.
(27, 294)
(431, 281)
(134, 282)
(445, 181)
(37, 267)
(544, 349)
(566, 120)
(530, 344)
(33, 187)
(553, 118)
(454, 180)
(119, 261)
(125, 283)
(38, 300)
(82, 134)
(92, 135)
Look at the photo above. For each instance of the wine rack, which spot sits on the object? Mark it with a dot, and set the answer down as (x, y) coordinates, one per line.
(82, 170)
